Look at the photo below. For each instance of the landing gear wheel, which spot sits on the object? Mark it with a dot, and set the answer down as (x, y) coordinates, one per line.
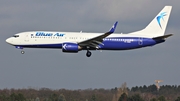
(22, 52)
(88, 54)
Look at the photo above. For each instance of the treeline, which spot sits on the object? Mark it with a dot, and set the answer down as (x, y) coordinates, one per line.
(45, 94)
(150, 93)
(141, 93)
(137, 97)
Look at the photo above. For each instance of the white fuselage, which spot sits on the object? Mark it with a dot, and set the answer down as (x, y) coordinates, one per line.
(31, 38)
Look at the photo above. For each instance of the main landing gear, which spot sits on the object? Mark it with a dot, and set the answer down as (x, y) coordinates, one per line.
(88, 54)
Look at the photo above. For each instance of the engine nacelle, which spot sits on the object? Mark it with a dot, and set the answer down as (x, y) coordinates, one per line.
(70, 47)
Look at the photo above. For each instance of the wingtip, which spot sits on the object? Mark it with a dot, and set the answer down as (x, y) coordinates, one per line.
(113, 27)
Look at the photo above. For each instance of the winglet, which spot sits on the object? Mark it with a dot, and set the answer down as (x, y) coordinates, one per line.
(113, 27)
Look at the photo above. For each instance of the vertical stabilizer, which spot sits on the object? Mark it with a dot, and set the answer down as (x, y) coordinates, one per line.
(157, 26)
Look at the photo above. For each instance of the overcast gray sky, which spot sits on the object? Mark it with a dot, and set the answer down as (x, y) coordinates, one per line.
(108, 69)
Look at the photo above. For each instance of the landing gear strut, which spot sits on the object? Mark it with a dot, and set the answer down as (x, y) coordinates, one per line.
(88, 54)
(19, 47)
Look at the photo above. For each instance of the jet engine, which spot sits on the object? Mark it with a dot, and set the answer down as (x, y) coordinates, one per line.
(70, 47)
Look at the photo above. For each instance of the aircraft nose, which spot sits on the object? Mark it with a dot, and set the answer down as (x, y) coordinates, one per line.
(8, 40)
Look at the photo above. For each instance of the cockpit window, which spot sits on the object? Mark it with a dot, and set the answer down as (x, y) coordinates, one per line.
(16, 36)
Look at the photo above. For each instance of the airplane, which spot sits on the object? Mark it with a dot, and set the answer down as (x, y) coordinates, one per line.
(73, 42)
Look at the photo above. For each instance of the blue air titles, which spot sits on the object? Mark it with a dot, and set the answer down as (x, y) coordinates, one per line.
(49, 34)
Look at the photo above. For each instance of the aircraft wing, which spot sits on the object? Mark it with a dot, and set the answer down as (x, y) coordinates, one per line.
(94, 42)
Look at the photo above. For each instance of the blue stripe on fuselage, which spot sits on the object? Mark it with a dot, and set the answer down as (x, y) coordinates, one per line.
(112, 43)
(42, 46)
(125, 43)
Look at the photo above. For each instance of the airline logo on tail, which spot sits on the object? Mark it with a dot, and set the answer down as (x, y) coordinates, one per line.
(161, 17)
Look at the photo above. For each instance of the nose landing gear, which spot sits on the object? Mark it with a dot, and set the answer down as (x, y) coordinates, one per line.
(22, 52)
(19, 47)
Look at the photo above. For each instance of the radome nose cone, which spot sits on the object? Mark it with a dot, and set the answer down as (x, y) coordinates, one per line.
(8, 40)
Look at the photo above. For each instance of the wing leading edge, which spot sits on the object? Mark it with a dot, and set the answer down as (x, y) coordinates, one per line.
(94, 42)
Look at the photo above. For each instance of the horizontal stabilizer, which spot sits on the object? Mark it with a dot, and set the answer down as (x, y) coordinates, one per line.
(163, 37)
